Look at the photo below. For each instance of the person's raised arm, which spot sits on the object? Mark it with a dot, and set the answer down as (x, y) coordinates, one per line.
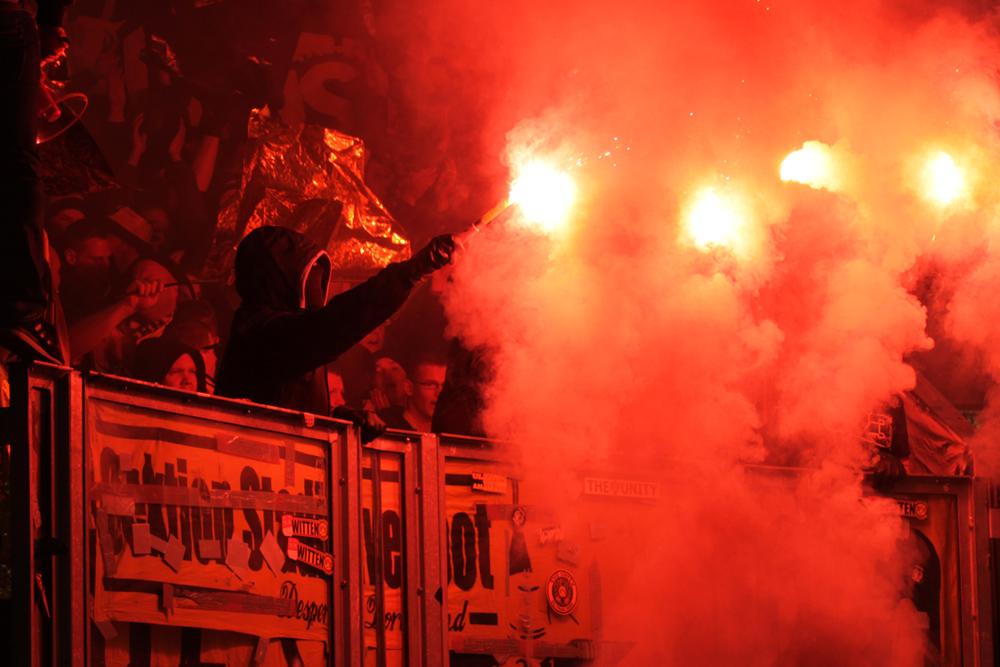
(301, 342)
(86, 334)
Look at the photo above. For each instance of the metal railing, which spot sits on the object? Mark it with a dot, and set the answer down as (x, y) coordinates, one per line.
(249, 532)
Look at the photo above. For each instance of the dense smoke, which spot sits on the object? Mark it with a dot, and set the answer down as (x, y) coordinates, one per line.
(625, 342)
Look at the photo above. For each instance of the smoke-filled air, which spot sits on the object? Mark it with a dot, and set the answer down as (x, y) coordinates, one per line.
(759, 189)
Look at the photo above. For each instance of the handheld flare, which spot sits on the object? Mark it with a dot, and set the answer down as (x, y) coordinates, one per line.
(544, 195)
(485, 219)
(944, 178)
(809, 165)
(713, 221)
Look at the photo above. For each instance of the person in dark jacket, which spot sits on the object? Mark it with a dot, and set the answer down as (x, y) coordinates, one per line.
(286, 329)
(28, 312)
(460, 404)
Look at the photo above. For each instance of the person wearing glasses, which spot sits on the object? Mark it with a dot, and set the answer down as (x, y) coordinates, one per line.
(422, 387)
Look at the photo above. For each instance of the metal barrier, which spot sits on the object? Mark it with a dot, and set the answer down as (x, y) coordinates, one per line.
(948, 520)
(403, 590)
(151, 522)
(48, 583)
(163, 522)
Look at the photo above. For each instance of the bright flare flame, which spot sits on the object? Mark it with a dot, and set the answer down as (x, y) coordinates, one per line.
(544, 194)
(810, 165)
(712, 222)
(944, 178)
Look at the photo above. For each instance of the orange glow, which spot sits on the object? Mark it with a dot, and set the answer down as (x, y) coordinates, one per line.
(544, 194)
(944, 179)
(809, 165)
(712, 221)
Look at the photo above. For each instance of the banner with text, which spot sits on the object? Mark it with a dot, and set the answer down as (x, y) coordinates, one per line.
(518, 583)
(385, 566)
(209, 525)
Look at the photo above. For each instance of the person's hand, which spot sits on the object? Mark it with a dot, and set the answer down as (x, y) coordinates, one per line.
(433, 256)
(138, 140)
(177, 143)
(371, 426)
(53, 42)
(116, 95)
(377, 399)
(887, 469)
(142, 294)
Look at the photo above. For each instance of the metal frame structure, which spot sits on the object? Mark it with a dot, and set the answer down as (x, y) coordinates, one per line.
(975, 567)
(466, 448)
(424, 582)
(976, 572)
(50, 456)
(345, 640)
(45, 426)
(345, 634)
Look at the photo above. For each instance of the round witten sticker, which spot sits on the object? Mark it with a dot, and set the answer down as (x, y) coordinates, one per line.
(328, 563)
(562, 593)
(323, 529)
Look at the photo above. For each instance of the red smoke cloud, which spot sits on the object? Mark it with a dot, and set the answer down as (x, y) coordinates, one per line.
(622, 344)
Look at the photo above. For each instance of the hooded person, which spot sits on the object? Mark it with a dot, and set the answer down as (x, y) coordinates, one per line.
(286, 329)
(170, 362)
(195, 325)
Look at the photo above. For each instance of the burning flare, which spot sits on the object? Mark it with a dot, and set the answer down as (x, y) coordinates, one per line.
(812, 165)
(544, 194)
(944, 178)
(712, 221)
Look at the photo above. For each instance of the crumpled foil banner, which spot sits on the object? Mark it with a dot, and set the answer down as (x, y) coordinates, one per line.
(310, 179)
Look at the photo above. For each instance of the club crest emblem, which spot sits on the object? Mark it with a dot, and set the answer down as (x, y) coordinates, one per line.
(562, 593)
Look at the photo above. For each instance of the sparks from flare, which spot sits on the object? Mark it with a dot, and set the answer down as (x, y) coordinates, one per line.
(544, 194)
(944, 178)
(712, 221)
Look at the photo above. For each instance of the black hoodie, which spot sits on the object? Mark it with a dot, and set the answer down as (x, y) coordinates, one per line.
(155, 356)
(276, 344)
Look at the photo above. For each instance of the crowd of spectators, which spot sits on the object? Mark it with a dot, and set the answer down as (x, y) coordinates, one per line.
(128, 289)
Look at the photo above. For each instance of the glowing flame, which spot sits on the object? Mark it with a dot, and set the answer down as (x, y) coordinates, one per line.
(944, 179)
(544, 194)
(810, 165)
(712, 221)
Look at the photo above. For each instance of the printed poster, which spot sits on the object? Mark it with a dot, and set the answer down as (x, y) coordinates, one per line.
(194, 521)
(387, 569)
(519, 583)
